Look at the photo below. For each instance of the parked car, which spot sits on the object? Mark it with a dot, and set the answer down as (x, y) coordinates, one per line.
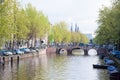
(5, 53)
(81, 44)
(8, 53)
(33, 49)
(25, 50)
(18, 51)
(1, 52)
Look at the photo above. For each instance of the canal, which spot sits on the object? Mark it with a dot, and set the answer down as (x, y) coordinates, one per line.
(54, 67)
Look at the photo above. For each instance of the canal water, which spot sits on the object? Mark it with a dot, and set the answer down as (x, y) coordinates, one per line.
(54, 67)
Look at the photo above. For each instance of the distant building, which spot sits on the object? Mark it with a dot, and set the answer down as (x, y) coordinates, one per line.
(89, 35)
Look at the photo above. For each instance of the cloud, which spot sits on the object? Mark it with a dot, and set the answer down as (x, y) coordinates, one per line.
(82, 12)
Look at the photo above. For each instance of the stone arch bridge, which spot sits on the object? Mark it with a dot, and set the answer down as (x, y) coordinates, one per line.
(69, 49)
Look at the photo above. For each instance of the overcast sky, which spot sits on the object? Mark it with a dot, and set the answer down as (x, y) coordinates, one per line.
(84, 13)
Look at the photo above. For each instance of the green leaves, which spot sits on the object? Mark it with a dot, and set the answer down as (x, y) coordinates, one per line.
(17, 24)
(109, 24)
(60, 33)
(38, 24)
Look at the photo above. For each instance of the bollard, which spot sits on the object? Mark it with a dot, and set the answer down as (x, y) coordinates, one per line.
(11, 61)
(0, 60)
(18, 59)
(3, 62)
(3, 59)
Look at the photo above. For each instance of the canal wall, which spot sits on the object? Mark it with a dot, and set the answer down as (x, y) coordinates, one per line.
(22, 56)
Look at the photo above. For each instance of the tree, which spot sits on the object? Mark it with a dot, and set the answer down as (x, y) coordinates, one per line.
(109, 26)
(38, 24)
(6, 24)
(61, 33)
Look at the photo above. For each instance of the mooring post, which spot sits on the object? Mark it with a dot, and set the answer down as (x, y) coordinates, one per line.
(3, 60)
(17, 59)
(11, 61)
(0, 60)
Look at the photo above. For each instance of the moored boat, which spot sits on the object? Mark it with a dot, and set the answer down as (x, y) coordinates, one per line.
(100, 66)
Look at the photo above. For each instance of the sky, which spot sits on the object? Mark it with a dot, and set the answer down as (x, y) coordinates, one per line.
(84, 13)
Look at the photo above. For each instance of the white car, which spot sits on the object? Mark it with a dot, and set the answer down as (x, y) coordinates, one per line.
(7, 53)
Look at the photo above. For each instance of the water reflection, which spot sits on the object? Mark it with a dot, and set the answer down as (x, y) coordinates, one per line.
(92, 52)
(78, 52)
(53, 67)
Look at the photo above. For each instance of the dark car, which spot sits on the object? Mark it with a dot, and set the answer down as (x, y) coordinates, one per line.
(25, 50)
(34, 49)
(17, 51)
(5, 53)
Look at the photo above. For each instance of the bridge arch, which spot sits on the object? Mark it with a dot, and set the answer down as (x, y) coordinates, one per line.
(68, 51)
(84, 50)
(62, 51)
(92, 51)
(77, 51)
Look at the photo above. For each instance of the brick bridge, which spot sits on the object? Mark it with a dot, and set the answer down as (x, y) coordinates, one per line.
(69, 49)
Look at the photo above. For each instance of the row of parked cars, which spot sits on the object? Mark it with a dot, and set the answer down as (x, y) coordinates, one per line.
(18, 51)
